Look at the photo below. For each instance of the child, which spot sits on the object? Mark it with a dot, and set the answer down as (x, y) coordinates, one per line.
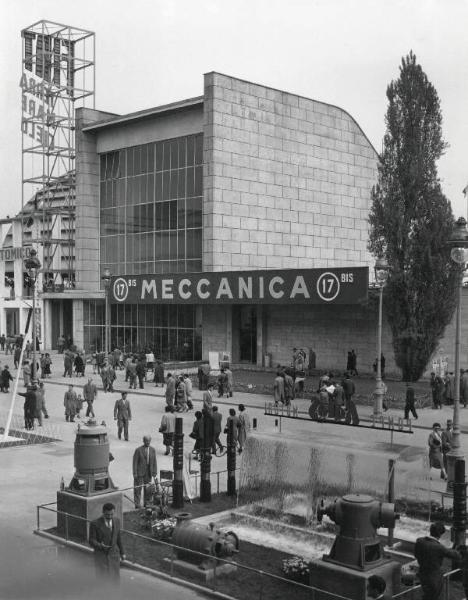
(79, 405)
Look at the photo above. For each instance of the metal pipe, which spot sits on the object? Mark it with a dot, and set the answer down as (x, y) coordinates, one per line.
(378, 394)
(458, 531)
(33, 336)
(205, 466)
(456, 451)
(231, 460)
(178, 465)
(106, 333)
(391, 495)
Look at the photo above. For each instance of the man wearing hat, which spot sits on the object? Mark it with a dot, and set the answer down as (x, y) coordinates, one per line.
(447, 437)
(409, 402)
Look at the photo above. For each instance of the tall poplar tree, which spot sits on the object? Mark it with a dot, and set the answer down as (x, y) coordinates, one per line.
(411, 219)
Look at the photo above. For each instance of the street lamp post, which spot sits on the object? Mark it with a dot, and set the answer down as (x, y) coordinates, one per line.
(106, 278)
(32, 265)
(458, 241)
(381, 270)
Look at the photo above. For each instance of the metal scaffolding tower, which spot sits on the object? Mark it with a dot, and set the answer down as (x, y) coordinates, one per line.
(58, 76)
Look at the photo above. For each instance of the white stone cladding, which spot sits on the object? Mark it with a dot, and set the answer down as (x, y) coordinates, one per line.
(287, 180)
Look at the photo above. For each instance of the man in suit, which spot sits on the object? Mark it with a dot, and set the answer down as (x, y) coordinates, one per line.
(104, 538)
(217, 419)
(145, 468)
(89, 395)
(122, 414)
(430, 553)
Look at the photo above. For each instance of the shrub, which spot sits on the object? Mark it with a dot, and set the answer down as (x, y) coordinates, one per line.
(297, 569)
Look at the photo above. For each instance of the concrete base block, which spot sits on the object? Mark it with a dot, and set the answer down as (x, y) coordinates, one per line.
(80, 510)
(202, 573)
(351, 583)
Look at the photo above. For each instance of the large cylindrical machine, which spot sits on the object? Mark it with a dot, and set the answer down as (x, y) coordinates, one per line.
(91, 461)
(195, 541)
(357, 552)
(357, 544)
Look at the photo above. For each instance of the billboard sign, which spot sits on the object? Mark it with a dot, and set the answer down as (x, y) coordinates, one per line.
(347, 285)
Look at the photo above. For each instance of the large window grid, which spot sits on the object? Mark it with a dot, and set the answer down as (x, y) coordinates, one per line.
(151, 207)
(167, 330)
(94, 325)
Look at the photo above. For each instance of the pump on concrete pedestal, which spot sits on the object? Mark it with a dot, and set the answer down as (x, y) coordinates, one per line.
(91, 486)
(357, 551)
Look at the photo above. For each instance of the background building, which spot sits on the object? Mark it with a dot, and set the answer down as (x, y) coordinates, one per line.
(48, 217)
(243, 178)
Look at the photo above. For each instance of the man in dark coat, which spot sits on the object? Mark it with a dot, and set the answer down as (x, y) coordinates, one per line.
(145, 468)
(70, 402)
(29, 407)
(68, 364)
(122, 414)
(17, 356)
(141, 373)
(105, 539)
(205, 375)
(409, 402)
(349, 389)
(217, 418)
(159, 373)
(89, 395)
(430, 553)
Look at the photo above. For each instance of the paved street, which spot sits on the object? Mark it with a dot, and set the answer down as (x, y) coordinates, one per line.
(31, 475)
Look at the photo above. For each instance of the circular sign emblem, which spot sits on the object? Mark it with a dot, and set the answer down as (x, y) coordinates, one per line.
(328, 286)
(120, 289)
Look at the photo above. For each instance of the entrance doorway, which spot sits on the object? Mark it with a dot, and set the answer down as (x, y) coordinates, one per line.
(247, 334)
(12, 321)
(62, 320)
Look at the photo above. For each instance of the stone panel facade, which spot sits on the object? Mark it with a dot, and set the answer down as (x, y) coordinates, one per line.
(287, 180)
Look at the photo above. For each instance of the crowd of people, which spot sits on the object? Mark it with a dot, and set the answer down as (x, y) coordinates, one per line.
(332, 399)
(443, 388)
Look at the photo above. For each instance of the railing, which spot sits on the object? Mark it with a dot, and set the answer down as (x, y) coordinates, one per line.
(161, 557)
(219, 476)
(415, 593)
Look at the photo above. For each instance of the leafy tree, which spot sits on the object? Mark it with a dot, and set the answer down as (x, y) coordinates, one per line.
(411, 219)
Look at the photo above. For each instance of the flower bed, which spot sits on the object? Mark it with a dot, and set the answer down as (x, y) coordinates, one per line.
(296, 568)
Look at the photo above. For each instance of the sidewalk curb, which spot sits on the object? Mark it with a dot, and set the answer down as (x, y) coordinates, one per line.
(137, 567)
(263, 399)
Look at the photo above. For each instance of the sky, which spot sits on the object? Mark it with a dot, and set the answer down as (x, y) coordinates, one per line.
(343, 52)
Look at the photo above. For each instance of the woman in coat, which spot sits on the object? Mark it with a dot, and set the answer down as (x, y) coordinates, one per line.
(5, 378)
(435, 450)
(278, 388)
(79, 365)
(244, 427)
